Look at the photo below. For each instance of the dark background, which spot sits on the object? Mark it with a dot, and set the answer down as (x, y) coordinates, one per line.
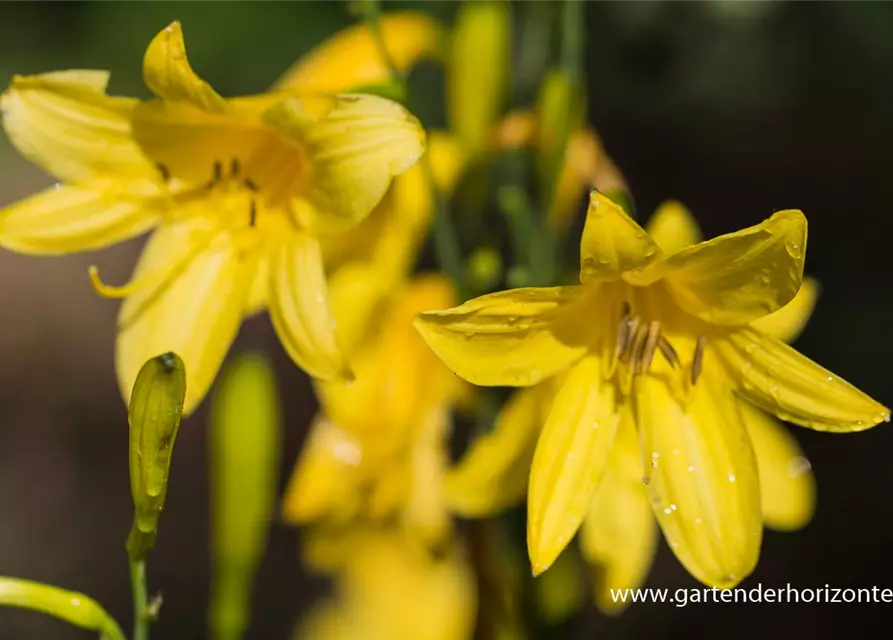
(737, 109)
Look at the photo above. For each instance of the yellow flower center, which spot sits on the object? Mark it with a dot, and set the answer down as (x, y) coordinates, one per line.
(232, 166)
(642, 335)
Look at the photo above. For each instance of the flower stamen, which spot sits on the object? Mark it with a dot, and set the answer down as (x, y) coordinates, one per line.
(669, 353)
(648, 348)
(164, 171)
(697, 361)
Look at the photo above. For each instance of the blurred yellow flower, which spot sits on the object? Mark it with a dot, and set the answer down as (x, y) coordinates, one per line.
(658, 334)
(387, 586)
(352, 58)
(237, 188)
(378, 449)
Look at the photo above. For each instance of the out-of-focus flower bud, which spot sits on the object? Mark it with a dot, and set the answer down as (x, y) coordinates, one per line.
(244, 460)
(477, 70)
(156, 406)
(70, 606)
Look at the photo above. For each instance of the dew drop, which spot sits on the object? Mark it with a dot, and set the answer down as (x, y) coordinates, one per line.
(731, 477)
(675, 452)
(793, 249)
(798, 466)
(673, 507)
(691, 468)
(75, 602)
(698, 521)
(668, 511)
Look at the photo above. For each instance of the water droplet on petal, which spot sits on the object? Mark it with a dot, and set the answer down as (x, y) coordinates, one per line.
(793, 249)
(691, 467)
(798, 466)
(731, 477)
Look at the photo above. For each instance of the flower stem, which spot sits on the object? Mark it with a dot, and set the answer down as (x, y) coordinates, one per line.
(140, 599)
(446, 241)
(573, 39)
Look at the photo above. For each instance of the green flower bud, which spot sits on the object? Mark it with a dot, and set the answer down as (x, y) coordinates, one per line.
(245, 427)
(156, 406)
(477, 70)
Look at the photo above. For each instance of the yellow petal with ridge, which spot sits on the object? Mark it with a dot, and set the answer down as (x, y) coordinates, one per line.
(570, 459)
(741, 276)
(787, 384)
(511, 338)
(299, 307)
(704, 485)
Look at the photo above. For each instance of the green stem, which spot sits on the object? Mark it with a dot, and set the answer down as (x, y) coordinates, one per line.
(140, 599)
(446, 241)
(531, 239)
(572, 39)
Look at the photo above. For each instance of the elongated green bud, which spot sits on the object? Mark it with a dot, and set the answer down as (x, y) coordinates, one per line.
(70, 606)
(156, 406)
(477, 70)
(244, 461)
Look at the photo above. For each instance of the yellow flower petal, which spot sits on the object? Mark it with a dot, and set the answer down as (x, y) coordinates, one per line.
(388, 399)
(741, 276)
(425, 514)
(787, 323)
(787, 487)
(260, 288)
(351, 58)
(354, 150)
(65, 123)
(167, 73)
(194, 311)
(299, 307)
(388, 241)
(517, 129)
(65, 219)
(673, 227)
(383, 573)
(789, 385)
(619, 534)
(356, 297)
(613, 243)
(326, 478)
(570, 458)
(492, 476)
(511, 338)
(704, 485)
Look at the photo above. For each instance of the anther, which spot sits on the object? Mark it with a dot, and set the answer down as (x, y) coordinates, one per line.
(698, 359)
(251, 184)
(632, 327)
(648, 348)
(235, 167)
(164, 171)
(218, 174)
(668, 351)
(622, 331)
(638, 342)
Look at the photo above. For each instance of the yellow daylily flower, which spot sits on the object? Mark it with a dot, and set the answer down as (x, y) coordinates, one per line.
(386, 586)
(236, 187)
(663, 335)
(619, 534)
(377, 451)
